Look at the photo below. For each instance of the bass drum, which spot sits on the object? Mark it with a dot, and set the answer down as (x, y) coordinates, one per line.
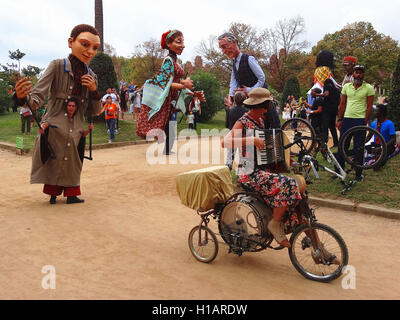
(243, 223)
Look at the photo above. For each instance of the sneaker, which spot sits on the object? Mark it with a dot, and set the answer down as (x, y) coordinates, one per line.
(108, 131)
(116, 131)
(360, 178)
(109, 141)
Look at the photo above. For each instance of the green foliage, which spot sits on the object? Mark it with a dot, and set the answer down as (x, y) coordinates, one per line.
(5, 98)
(103, 66)
(394, 97)
(292, 88)
(211, 86)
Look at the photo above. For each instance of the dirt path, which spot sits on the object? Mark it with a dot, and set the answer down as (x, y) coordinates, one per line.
(129, 241)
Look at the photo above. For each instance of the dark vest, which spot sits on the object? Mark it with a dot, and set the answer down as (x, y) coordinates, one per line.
(245, 76)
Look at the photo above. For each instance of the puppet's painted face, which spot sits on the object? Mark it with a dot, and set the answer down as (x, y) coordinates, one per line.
(229, 48)
(71, 108)
(85, 46)
(177, 45)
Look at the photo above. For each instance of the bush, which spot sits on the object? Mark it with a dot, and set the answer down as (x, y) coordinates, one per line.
(211, 86)
(103, 66)
(394, 97)
(5, 99)
(292, 88)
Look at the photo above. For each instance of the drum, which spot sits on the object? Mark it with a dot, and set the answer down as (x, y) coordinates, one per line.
(243, 223)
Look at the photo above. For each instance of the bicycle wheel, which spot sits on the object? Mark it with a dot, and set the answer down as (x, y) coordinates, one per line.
(359, 153)
(301, 134)
(204, 249)
(323, 264)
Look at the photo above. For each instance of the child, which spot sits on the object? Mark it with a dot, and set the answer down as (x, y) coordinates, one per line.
(111, 110)
(190, 120)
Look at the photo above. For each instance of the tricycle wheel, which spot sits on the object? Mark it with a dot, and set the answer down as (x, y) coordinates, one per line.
(322, 261)
(203, 244)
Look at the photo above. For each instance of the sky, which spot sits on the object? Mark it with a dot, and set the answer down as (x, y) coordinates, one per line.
(40, 28)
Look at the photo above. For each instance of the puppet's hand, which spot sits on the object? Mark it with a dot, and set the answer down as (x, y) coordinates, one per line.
(43, 127)
(23, 87)
(188, 83)
(89, 82)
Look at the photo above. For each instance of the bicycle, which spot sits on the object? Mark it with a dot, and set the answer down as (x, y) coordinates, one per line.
(305, 145)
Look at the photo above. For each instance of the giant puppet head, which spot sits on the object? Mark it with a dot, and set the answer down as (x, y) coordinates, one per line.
(84, 42)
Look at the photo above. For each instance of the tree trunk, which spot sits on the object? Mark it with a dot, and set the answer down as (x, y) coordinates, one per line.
(98, 21)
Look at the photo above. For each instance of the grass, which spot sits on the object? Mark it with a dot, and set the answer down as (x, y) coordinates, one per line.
(379, 187)
(10, 129)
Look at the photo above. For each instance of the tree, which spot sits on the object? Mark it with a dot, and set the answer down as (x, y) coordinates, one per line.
(98, 21)
(31, 72)
(146, 61)
(270, 47)
(16, 55)
(211, 86)
(103, 66)
(394, 97)
(292, 88)
(284, 47)
(372, 49)
(285, 35)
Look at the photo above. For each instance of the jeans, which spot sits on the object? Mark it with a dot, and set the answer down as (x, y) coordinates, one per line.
(26, 120)
(358, 141)
(196, 119)
(111, 124)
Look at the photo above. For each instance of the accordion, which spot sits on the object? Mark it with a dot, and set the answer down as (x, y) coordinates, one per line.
(274, 153)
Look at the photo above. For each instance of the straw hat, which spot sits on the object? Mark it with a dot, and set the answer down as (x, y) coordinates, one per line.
(257, 96)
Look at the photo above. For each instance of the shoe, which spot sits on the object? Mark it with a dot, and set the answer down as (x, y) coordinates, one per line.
(74, 199)
(109, 141)
(108, 131)
(360, 178)
(53, 200)
(321, 252)
(276, 228)
(116, 131)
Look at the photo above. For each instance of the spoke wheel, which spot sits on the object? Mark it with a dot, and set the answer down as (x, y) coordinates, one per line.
(300, 130)
(324, 263)
(366, 155)
(205, 248)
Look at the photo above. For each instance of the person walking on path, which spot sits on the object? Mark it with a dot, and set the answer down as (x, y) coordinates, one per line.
(111, 116)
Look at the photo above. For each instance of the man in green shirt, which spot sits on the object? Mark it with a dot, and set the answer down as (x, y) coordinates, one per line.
(354, 110)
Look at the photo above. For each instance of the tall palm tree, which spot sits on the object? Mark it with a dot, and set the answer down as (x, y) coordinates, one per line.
(98, 20)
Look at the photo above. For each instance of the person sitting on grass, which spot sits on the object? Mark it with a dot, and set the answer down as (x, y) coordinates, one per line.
(386, 128)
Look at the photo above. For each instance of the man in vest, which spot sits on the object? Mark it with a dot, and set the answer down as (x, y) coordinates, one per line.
(246, 73)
